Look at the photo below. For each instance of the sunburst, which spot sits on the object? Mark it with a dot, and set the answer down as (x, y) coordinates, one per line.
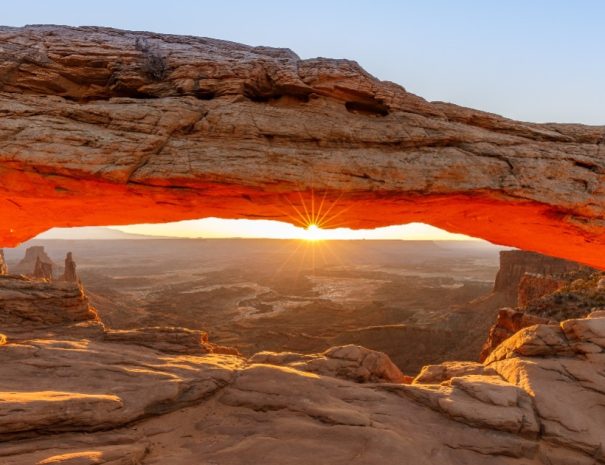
(315, 215)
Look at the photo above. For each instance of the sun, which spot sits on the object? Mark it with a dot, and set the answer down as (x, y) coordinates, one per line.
(312, 233)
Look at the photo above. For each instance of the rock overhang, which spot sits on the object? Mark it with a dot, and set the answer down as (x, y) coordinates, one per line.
(102, 126)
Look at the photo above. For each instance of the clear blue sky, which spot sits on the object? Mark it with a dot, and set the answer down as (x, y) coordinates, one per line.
(536, 60)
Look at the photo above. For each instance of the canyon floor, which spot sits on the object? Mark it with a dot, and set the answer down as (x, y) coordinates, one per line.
(139, 382)
(410, 300)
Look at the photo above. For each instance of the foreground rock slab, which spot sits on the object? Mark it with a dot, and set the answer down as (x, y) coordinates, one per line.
(538, 399)
(130, 127)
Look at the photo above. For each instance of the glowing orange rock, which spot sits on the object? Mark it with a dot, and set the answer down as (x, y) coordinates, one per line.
(102, 126)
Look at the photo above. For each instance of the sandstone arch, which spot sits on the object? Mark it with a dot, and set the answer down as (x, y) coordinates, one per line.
(102, 126)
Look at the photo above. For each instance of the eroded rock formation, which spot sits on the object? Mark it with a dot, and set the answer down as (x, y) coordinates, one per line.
(546, 298)
(27, 304)
(114, 126)
(170, 340)
(515, 264)
(534, 286)
(350, 362)
(42, 270)
(508, 322)
(29, 262)
(538, 399)
(69, 274)
(3, 265)
(124, 127)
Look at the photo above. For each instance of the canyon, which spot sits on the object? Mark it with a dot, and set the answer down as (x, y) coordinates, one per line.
(410, 300)
(151, 394)
(102, 126)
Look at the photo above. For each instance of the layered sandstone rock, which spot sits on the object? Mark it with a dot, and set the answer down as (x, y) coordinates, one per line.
(169, 340)
(533, 286)
(350, 362)
(149, 395)
(33, 256)
(26, 304)
(515, 264)
(127, 127)
(69, 274)
(3, 265)
(436, 374)
(508, 322)
(91, 385)
(565, 377)
(538, 400)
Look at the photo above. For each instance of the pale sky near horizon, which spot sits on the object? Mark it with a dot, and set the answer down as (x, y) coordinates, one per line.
(533, 60)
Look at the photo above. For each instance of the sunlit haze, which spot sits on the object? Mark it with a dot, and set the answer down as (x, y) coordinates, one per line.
(214, 227)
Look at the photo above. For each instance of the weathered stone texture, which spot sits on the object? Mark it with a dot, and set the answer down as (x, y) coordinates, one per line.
(125, 127)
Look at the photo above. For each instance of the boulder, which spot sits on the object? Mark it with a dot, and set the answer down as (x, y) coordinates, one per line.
(350, 362)
(168, 339)
(589, 330)
(508, 323)
(533, 341)
(436, 374)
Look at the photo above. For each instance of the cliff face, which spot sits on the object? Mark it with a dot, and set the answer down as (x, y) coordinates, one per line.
(507, 324)
(543, 290)
(34, 255)
(129, 127)
(514, 264)
(29, 303)
(534, 286)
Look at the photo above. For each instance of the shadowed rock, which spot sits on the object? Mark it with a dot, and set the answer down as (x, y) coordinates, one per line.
(508, 323)
(42, 270)
(29, 261)
(515, 264)
(70, 269)
(3, 265)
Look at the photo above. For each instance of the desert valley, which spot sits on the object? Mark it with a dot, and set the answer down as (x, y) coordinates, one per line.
(398, 328)
(408, 299)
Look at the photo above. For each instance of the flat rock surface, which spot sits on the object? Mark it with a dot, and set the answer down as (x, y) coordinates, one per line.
(89, 385)
(102, 402)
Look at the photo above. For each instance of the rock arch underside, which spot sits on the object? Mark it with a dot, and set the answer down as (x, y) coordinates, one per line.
(102, 126)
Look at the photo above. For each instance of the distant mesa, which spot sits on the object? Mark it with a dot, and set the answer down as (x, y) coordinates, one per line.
(37, 264)
(29, 264)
